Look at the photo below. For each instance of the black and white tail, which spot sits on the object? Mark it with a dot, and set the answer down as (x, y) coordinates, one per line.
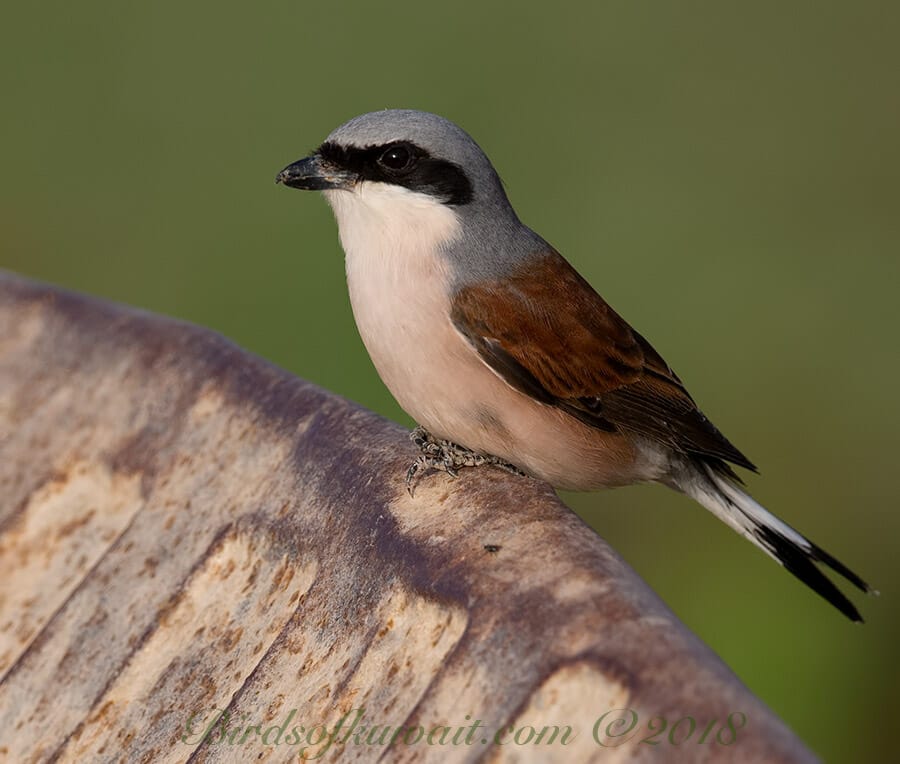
(799, 555)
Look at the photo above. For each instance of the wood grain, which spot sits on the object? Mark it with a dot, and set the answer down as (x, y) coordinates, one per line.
(186, 529)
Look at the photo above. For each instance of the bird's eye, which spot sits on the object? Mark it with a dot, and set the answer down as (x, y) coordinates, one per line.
(397, 158)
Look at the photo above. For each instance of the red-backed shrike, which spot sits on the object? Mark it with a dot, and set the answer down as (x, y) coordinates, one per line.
(491, 340)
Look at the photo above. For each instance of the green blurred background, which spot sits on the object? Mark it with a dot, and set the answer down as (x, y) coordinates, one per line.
(725, 174)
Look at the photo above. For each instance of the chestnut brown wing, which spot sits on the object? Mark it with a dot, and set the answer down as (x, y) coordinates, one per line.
(548, 334)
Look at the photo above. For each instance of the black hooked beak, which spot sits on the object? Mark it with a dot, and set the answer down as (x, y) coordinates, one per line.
(314, 174)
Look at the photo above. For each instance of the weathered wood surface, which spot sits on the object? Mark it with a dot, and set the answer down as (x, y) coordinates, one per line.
(185, 528)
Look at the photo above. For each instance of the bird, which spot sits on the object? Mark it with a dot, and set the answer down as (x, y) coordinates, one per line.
(501, 352)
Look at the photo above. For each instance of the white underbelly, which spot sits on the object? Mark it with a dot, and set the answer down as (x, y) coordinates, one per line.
(404, 322)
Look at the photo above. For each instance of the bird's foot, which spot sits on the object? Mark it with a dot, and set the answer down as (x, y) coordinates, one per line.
(447, 456)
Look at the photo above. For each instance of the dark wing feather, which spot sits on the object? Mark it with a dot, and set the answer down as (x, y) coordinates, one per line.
(551, 336)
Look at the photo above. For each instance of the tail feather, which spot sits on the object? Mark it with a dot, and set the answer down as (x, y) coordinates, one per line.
(789, 548)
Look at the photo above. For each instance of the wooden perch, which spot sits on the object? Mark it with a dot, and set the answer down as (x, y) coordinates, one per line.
(187, 529)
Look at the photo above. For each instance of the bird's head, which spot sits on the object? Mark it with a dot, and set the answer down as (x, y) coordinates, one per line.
(412, 177)
(414, 150)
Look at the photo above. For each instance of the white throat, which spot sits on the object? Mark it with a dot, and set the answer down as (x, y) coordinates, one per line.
(399, 282)
(390, 223)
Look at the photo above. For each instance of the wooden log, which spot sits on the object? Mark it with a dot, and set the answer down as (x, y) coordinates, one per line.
(199, 551)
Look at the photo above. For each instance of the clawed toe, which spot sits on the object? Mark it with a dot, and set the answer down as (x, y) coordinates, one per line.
(446, 456)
